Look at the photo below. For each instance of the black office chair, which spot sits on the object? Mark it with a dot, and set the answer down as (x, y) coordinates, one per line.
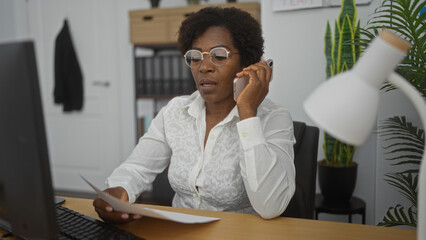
(305, 152)
(302, 205)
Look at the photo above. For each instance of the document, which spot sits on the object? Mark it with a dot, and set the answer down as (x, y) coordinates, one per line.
(123, 206)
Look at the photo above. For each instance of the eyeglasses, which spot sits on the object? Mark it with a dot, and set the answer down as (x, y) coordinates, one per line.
(218, 56)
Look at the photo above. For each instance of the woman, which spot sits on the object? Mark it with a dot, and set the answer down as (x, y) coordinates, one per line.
(222, 155)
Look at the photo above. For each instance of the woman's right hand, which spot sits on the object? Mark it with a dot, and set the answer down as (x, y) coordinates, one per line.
(107, 213)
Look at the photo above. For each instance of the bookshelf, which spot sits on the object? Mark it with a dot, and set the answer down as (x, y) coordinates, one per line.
(160, 74)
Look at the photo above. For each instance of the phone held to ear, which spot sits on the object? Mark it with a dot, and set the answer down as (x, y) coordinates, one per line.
(241, 83)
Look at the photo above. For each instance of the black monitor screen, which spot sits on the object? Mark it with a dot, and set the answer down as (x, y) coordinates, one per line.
(26, 197)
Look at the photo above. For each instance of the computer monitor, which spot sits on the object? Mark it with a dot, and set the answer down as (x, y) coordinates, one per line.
(27, 206)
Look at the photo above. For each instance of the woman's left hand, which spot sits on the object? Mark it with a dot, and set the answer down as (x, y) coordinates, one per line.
(256, 90)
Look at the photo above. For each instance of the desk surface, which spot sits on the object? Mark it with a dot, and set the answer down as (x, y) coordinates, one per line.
(246, 226)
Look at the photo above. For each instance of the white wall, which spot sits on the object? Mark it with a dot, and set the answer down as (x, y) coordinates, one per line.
(12, 25)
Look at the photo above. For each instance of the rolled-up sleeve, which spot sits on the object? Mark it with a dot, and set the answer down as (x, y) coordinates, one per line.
(268, 166)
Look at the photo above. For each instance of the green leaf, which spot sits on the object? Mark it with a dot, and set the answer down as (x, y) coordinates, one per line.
(396, 216)
(336, 47)
(406, 162)
(328, 50)
(347, 52)
(403, 18)
(405, 184)
(357, 48)
(348, 9)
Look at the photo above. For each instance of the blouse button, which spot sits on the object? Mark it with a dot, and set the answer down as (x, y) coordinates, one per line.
(244, 134)
(212, 136)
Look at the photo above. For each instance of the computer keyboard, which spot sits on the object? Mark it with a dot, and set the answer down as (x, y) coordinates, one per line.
(73, 225)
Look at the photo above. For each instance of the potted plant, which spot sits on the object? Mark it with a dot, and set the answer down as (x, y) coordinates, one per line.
(195, 2)
(337, 172)
(403, 140)
(155, 3)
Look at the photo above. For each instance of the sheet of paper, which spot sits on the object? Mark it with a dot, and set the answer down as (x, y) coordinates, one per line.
(123, 206)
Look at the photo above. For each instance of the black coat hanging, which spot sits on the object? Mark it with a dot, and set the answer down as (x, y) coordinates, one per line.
(68, 76)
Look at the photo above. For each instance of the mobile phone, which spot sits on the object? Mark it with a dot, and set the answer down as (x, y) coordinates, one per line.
(59, 200)
(241, 83)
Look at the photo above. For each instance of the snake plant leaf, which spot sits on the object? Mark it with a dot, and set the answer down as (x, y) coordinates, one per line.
(347, 50)
(348, 9)
(336, 47)
(349, 150)
(341, 155)
(328, 46)
(329, 148)
(396, 216)
(345, 67)
(356, 39)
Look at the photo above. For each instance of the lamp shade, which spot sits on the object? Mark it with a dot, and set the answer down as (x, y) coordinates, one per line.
(345, 106)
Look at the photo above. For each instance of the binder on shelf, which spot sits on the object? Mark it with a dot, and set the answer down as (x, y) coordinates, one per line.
(157, 75)
(163, 73)
(139, 79)
(167, 70)
(148, 76)
(188, 84)
(176, 73)
(141, 126)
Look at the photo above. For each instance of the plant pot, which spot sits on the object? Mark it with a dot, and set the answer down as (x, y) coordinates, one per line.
(337, 183)
(155, 3)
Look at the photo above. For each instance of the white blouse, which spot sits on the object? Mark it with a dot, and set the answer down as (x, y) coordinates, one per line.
(246, 166)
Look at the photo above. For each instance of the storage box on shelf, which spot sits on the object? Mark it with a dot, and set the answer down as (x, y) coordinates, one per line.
(161, 25)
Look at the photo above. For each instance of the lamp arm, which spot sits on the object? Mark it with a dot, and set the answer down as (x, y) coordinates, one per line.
(420, 106)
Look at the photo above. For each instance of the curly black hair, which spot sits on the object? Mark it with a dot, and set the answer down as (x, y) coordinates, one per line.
(245, 31)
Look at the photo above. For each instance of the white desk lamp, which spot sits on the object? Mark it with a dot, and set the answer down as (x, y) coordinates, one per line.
(346, 105)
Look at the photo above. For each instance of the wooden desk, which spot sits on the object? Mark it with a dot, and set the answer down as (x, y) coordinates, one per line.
(246, 226)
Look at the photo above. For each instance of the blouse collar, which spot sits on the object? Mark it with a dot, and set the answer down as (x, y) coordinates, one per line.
(196, 106)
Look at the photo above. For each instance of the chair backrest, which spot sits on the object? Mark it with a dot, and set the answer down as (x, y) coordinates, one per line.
(305, 160)
(302, 205)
